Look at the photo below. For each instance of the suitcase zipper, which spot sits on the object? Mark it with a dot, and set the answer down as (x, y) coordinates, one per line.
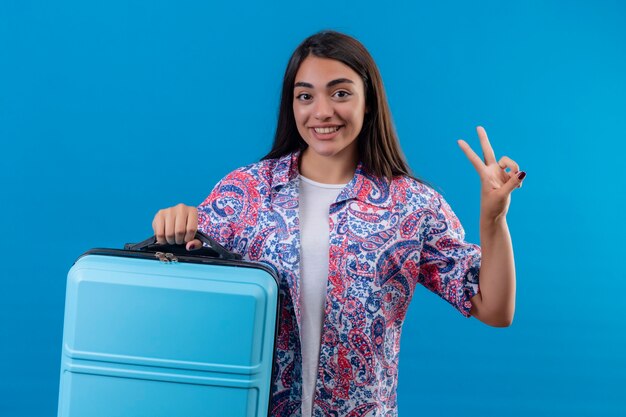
(182, 259)
(166, 258)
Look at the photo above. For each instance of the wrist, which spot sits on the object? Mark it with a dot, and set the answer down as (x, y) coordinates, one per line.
(491, 223)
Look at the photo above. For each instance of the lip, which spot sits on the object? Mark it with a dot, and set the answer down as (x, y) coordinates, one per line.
(312, 127)
(325, 136)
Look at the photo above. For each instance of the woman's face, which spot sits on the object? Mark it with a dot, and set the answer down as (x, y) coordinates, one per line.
(329, 106)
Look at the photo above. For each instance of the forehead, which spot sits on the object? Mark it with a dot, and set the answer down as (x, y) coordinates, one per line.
(318, 71)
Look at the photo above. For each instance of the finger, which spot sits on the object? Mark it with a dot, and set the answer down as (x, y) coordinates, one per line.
(514, 182)
(170, 224)
(194, 244)
(506, 162)
(158, 225)
(489, 155)
(520, 176)
(180, 229)
(471, 155)
(192, 225)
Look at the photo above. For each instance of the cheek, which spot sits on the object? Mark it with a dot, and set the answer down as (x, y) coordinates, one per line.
(356, 117)
(301, 120)
(299, 116)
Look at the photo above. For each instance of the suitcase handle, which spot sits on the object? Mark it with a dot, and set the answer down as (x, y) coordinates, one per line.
(151, 244)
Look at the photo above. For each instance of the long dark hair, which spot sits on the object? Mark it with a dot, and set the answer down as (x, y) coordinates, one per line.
(378, 145)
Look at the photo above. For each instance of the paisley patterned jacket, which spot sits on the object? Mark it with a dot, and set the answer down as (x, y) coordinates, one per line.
(385, 238)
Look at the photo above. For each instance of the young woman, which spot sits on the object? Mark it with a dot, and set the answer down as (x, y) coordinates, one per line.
(335, 210)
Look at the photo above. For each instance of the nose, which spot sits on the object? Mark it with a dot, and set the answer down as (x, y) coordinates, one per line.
(323, 109)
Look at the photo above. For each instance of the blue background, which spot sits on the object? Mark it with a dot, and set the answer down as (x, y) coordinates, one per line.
(111, 110)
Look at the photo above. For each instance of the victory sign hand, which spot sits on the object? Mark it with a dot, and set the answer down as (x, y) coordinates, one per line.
(496, 183)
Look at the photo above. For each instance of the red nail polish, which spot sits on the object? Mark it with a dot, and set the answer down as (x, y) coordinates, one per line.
(191, 247)
(521, 175)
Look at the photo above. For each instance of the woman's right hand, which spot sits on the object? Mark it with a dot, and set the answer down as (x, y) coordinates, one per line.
(177, 225)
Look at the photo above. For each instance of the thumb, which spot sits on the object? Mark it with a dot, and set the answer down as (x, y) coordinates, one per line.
(514, 182)
(194, 244)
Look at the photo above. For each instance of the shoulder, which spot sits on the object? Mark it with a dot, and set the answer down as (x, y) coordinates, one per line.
(415, 195)
(254, 182)
(253, 175)
(422, 203)
(255, 169)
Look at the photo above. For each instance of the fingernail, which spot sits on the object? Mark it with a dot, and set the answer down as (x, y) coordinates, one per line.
(521, 175)
(191, 247)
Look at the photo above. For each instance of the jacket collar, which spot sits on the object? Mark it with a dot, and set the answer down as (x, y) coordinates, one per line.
(363, 186)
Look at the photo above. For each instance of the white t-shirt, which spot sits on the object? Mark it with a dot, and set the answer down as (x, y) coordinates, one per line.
(315, 201)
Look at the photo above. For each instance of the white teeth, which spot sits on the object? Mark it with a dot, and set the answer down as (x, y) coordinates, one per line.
(327, 129)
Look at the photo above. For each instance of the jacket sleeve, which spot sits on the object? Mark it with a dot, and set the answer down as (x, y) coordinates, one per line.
(449, 266)
(220, 214)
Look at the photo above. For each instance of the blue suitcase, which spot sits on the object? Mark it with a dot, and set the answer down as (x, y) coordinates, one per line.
(154, 330)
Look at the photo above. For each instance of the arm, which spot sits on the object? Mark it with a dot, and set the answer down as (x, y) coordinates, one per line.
(222, 215)
(495, 303)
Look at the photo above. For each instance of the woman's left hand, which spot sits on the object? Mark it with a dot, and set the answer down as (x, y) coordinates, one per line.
(496, 183)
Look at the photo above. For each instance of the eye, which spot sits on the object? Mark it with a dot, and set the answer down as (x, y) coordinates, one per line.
(299, 96)
(346, 94)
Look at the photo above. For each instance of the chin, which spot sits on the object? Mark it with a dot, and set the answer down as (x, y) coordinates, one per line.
(325, 150)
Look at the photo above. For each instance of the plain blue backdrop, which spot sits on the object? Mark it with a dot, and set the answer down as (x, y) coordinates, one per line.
(112, 110)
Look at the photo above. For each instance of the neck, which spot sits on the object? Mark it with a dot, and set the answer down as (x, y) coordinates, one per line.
(336, 169)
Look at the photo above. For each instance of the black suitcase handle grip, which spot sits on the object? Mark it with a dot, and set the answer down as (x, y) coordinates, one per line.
(151, 244)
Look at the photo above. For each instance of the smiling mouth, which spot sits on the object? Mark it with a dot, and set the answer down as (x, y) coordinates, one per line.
(326, 130)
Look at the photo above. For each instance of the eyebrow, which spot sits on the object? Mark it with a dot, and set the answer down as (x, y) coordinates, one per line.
(330, 83)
